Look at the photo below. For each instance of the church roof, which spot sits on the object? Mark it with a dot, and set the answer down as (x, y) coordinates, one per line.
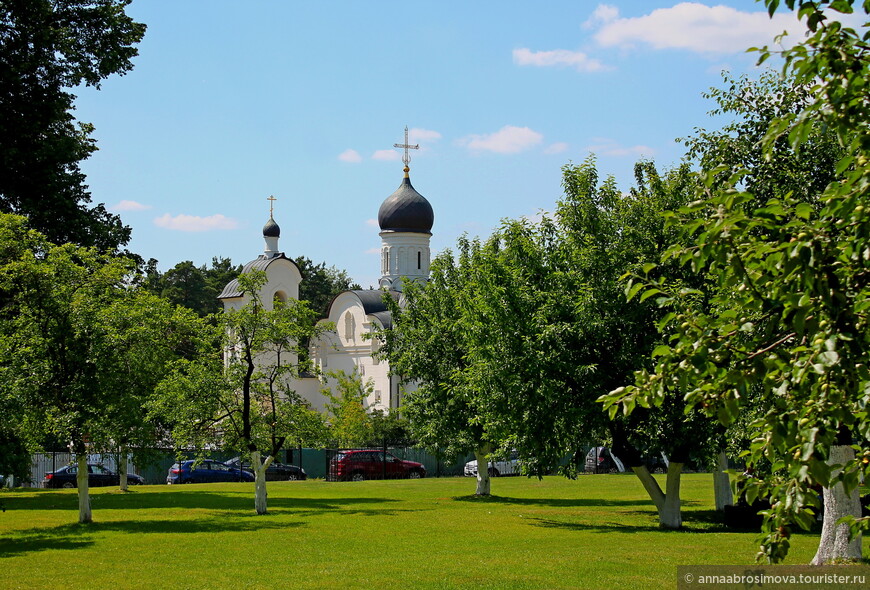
(406, 210)
(262, 262)
(372, 301)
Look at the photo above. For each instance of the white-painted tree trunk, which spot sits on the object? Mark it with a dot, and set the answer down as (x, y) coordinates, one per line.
(670, 517)
(667, 504)
(834, 543)
(84, 496)
(483, 479)
(122, 471)
(260, 495)
(722, 483)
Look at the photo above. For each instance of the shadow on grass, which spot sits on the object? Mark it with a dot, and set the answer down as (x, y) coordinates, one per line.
(551, 502)
(191, 499)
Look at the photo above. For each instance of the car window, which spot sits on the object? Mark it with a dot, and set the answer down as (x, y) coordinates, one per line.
(98, 469)
(219, 467)
(72, 469)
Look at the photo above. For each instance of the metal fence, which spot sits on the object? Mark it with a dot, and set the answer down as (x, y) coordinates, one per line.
(42, 463)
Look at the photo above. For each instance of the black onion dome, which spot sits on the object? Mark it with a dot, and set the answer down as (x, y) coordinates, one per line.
(271, 229)
(406, 210)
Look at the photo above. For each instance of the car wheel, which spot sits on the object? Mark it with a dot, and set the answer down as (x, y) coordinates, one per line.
(187, 481)
(415, 475)
(659, 470)
(493, 472)
(613, 470)
(358, 476)
(292, 477)
(68, 484)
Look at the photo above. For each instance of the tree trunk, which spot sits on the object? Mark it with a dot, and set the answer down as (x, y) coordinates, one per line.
(667, 504)
(483, 479)
(670, 517)
(122, 471)
(722, 483)
(84, 495)
(260, 494)
(834, 543)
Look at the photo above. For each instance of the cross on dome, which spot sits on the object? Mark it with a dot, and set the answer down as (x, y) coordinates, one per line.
(406, 159)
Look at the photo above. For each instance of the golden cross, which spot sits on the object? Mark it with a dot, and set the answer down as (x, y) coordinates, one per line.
(271, 200)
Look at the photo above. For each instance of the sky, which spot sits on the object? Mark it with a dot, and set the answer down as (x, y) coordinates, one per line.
(231, 102)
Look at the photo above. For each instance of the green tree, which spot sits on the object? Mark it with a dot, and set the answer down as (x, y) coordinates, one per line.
(789, 318)
(245, 401)
(71, 362)
(46, 48)
(427, 344)
(321, 284)
(350, 424)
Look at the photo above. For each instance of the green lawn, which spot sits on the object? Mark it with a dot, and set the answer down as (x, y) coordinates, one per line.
(599, 531)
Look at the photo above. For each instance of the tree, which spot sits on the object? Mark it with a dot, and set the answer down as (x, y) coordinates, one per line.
(47, 47)
(789, 319)
(245, 401)
(72, 363)
(427, 345)
(321, 284)
(349, 423)
(196, 288)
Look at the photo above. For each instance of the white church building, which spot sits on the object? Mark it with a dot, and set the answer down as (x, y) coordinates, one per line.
(405, 219)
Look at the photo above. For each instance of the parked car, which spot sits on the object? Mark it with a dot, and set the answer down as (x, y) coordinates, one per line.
(509, 466)
(66, 477)
(207, 471)
(369, 464)
(602, 460)
(274, 472)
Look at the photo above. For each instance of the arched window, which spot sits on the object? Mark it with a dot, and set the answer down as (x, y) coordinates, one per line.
(419, 260)
(280, 297)
(348, 326)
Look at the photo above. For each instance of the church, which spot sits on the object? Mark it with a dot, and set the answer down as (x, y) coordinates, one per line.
(405, 219)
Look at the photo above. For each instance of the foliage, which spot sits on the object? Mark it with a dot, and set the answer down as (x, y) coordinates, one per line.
(321, 284)
(194, 287)
(513, 341)
(47, 47)
(789, 319)
(350, 425)
(243, 402)
(80, 349)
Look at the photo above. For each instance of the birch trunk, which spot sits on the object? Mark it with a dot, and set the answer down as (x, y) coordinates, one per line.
(834, 543)
(722, 483)
(84, 496)
(260, 494)
(483, 479)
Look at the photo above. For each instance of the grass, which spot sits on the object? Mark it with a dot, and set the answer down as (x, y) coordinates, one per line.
(596, 532)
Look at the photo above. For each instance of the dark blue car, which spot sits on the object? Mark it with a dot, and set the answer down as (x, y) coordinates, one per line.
(207, 471)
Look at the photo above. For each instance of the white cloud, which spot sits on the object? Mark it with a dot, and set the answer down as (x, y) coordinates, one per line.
(696, 27)
(507, 140)
(372, 222)
(556, 148)
(129, 206)
(609, 147)
(557, 57)
(416, 134)
(386, 155)
(604, 13)
(351, 156)
(195, 223)
(373, 251)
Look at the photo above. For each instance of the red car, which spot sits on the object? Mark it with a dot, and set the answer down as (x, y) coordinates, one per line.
(370, 464)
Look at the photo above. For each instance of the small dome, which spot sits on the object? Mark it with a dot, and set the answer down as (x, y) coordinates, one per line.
(406, 210)
(271, 229)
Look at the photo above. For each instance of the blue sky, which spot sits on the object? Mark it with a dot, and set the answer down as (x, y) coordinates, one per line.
(231, 102)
